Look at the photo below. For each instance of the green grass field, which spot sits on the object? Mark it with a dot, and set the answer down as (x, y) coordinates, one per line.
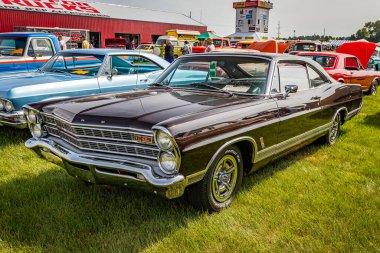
(320, 199)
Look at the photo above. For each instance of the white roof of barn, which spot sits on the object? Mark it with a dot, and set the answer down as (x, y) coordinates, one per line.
(101, 10)
(141, 14)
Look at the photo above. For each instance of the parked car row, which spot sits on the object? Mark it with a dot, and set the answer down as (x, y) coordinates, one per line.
(197, 126)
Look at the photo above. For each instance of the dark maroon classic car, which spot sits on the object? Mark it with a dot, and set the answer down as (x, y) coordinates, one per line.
(207, 121)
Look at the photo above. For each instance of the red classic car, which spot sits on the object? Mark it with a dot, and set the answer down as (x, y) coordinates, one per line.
(346, 68)
(218, 42)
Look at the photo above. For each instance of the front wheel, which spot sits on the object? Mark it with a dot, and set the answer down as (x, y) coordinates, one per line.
(221, 182)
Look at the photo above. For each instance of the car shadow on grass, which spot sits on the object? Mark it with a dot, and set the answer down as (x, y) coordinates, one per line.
(57, 213)
(13, 136)
(372, 120)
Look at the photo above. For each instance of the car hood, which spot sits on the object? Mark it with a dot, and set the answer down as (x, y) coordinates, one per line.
(27, 79)
(363, 50)
(140, 109)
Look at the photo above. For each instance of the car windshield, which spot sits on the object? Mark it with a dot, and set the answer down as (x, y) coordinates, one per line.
(76, 64)
(12, 46)
(305, 47)
(240, 75)
(325, 61)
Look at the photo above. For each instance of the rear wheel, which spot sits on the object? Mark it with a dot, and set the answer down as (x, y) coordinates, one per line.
(373, 89)
(221, 182)
(334, 132)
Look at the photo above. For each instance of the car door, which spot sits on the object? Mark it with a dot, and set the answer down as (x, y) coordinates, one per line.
(147, 71)
(358, 75)
(40, 50)
(119, 74)
(299, 112)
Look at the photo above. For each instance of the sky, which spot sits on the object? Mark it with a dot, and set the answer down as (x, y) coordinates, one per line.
(307, 17)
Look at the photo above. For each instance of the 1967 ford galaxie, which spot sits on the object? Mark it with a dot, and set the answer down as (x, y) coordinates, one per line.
(76, 73)
(207, 120)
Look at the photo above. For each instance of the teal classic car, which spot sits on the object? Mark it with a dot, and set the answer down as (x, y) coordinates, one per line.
(374, 62)
(76, 73)
(26, 51)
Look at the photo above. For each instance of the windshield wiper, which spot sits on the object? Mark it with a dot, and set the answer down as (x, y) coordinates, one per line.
(212, 87)
(160, 85)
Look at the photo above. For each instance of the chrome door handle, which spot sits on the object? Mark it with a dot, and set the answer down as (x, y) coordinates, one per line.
(316, 98)
(143, 80)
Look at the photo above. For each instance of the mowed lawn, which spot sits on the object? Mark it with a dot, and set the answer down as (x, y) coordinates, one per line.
(320, 199)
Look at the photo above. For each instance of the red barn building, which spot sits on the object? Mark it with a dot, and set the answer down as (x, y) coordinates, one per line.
(97, 21)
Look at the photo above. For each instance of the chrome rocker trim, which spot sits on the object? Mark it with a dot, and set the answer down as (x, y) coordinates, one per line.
(6, 119)
(103, 170)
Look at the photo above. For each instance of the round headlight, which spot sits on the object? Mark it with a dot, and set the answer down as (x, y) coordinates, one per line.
(164, 141)
(168, 162)
(9, 106)
(36, 130)
(2, 107)
(32, 116)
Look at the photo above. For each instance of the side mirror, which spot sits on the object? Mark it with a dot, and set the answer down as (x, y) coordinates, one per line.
(111, 73)
(290, 89)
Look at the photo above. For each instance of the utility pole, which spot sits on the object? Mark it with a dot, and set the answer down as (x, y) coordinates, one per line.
(294, 34)
(279, 30)
(190, 14)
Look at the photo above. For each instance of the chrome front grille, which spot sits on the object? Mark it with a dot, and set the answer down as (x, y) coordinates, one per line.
(106, 140)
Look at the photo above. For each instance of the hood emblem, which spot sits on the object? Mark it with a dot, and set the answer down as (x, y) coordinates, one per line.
(82, 120)
(103, 122)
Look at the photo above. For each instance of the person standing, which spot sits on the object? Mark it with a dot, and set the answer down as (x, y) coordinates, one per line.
(133, 44)
(85, 43)
(169, 52)
(62, 43)
(187, 48)
(210, 47)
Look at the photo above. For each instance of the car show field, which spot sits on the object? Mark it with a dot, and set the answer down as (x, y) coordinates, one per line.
(184, 127)
(319, 199)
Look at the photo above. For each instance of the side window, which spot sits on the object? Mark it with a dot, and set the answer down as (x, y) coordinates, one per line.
(40, 48)
(315, 78)
(276, 83)
(225, 43)
(293, 74)
(123, 65)
(352, 63)
(145, 65)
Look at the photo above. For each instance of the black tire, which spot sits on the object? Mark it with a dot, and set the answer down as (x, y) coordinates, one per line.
(334, 132)
(373, 89)
(207, 194)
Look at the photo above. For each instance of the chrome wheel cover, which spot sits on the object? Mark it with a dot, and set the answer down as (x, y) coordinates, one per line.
(224, 178)
(334, 130)
(373, 90)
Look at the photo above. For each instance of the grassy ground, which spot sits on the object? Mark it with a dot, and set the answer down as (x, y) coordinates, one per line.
(320, 199)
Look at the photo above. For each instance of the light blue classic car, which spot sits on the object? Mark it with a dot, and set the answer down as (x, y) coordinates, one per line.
(77, 73)
(26, 51)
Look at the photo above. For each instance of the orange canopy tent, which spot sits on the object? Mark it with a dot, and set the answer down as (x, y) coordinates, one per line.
(270, 46)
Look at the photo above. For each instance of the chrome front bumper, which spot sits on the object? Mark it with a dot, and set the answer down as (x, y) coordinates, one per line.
(107, 170)
(13, 119)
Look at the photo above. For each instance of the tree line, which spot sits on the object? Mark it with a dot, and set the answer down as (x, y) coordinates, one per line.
(370, 32)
